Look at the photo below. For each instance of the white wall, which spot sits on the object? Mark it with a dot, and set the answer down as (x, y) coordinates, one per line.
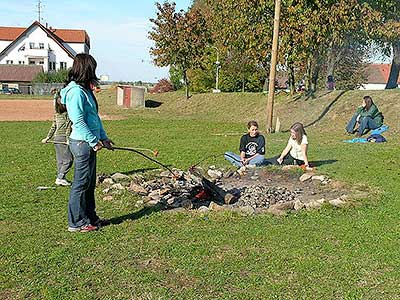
(373, 86)
(4, 44)
(52, 52)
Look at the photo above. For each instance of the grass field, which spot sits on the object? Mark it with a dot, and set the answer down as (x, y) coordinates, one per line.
(350, 253)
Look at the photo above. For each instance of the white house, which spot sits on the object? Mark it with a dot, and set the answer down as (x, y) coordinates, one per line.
(51, 48)
(377, 77)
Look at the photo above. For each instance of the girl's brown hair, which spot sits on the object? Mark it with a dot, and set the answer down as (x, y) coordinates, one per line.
(298, 128)
(83, 71)
(368, 102)
(252, 123)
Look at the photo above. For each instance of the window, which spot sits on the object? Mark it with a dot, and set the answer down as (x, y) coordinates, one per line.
(32, 45)
(9, 62)
(21, 62)
(52, 65)
(63, 65)
(41, 45)
(41, 62)
(32, 62)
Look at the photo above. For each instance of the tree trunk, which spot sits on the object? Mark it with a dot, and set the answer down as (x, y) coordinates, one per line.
(314, 78)
(308, 74)
(291, 80)
(186, 81)
(243, 84)
(395, 68)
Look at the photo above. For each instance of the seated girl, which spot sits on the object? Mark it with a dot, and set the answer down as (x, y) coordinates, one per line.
(295, 152)
(252, 148)
(367, 116)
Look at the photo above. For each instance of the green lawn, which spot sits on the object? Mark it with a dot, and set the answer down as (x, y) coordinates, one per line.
(350, 253)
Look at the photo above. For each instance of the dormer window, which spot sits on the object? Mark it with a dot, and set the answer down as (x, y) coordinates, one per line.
(31, 45)
(41, 45)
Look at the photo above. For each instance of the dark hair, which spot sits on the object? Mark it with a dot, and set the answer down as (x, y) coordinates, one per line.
(59, 107)
(368, 102)
(298, 128)
(83, 71)
(252, 123)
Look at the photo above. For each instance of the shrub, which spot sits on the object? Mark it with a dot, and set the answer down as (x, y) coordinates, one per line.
(163, 86)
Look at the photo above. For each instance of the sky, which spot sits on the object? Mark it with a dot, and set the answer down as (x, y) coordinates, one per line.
(118, 31)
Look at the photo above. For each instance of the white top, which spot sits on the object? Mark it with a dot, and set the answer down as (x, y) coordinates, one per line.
(295, 151)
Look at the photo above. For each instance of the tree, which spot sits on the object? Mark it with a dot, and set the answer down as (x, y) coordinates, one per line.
(180, 39)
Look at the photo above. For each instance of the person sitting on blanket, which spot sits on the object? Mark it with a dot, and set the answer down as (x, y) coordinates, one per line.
(252, 148)
(295, 152)
(367, 116)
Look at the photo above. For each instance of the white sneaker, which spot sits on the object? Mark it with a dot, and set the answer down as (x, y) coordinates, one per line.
(62, 182)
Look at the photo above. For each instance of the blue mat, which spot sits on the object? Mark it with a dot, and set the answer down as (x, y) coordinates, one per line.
(356, 140)
(380, 130)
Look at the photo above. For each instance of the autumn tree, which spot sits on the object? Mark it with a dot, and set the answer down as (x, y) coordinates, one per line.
(180, 39)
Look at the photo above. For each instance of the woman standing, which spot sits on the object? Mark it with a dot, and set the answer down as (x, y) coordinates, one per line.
(87, 137)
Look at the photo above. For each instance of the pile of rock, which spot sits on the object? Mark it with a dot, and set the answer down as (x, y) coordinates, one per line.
(181, 191)
(261, 196)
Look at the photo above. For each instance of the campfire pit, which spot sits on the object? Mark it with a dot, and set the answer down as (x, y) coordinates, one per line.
(254, 190)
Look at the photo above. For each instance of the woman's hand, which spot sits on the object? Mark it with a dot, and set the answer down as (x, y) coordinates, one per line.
(45, 140)
(97, 147)
(108, 144)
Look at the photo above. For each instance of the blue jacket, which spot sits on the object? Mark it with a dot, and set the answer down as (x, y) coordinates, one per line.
(82, 111)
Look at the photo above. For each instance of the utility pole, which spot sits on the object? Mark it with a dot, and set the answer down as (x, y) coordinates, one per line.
(272, 72)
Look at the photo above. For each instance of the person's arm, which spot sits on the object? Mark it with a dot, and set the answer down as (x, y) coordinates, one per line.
(75, 105)
(51, 131)
(304, 151)
(371, 112)
(284, 153)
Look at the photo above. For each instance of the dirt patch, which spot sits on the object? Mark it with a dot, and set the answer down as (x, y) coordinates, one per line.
(32, 110)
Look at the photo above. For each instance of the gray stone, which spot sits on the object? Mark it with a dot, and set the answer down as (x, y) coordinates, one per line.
(118, 177)
(337, 202)
(136, 188)
(203, 209)
(117, 186)
(312, 204)
(246, 210)
(216, 174)
(305, 177)
(108, 181)
(298, 205)
(319, 177)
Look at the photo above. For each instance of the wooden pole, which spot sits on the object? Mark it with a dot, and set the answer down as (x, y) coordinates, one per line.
(272, 72)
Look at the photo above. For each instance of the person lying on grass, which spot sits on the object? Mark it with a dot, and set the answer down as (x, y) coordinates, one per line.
(295, 152)
(367, 116)
(252, 148)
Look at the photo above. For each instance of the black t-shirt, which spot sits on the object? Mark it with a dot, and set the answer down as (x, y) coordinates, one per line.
(252, 145)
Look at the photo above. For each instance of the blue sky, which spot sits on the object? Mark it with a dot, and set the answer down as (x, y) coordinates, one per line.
(117, 29)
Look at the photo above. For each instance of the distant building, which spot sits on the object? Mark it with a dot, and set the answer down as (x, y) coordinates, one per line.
(104, 78)
(51, 48)
(18, 76)
(377, 77)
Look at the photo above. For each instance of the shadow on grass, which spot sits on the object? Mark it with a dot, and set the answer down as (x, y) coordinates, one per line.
(326, 110)
(152, 103)
(136, 215)
(319, 163)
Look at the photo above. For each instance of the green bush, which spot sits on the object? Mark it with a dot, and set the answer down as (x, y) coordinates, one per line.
(52, 77)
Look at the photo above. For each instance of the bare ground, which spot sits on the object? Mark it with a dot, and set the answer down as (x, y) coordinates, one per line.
(31, 110)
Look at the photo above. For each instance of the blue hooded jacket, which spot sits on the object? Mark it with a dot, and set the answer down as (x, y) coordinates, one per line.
(82, 111)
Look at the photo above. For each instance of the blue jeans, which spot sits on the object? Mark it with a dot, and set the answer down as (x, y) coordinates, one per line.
(365, 123)
(235, 159)
(81, 205)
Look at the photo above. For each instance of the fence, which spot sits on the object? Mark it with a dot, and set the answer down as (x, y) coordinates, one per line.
(45, 88)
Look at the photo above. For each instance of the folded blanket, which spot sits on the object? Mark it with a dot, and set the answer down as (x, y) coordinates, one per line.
(380, 130)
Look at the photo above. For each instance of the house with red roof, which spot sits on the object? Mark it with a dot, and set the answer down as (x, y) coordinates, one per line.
(51, 48)
(377, 76)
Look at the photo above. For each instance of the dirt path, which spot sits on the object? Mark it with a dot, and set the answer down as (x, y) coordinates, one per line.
(30, 110)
